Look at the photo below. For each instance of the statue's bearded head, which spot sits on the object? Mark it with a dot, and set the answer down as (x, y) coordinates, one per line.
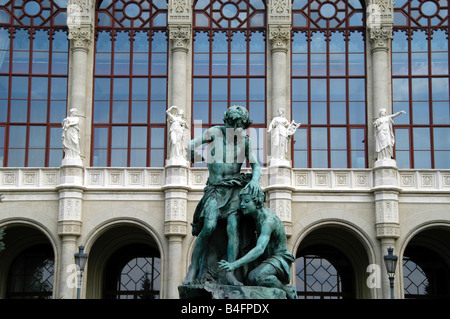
(237, 116)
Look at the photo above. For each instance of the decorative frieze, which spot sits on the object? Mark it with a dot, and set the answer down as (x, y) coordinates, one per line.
(175, 209)
(175, 228)
(66, 228)
(388, 231)
(387, 212)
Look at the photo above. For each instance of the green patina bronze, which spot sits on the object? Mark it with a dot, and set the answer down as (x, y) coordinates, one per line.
(240, 242)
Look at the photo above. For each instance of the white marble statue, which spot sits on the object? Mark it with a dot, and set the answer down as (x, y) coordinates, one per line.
(384, 135)
(281, 131)
(177, 126)
(71, 136)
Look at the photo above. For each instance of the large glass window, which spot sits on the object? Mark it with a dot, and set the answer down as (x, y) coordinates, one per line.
(328, 84)
(229, 64)
(130, 84)
(133, 272)
(33, 82)
(32, 274)
(420, 72)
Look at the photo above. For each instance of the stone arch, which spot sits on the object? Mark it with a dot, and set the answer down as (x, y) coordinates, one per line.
(110, 236)
(21, 234)
(346, 239)
(427, 240)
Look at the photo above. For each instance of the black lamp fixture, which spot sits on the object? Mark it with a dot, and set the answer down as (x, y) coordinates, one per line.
(390, 260)
(80, 260)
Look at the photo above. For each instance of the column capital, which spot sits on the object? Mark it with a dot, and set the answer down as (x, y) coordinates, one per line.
(179, 10)
(380, 36)
(180, 35)
(279, 36)
(79, 22)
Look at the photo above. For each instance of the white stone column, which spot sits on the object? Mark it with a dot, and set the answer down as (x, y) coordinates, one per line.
(180, 40)
(79, 22)
(70, 191)
(380, 20)
(175, 226)
(387, 220)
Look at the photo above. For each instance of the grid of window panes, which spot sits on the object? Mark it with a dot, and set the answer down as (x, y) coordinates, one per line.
(328, 84)
(33, 82)
(420, 84)
(130, 84)
(229, 65)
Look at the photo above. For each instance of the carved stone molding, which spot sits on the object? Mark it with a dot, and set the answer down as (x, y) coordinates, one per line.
(71, 227)
(80, 37)
(279, 10)
(179, 10)
(180, 35)
(175, 228)
(388, 231)
(380, 36)
(279, 36)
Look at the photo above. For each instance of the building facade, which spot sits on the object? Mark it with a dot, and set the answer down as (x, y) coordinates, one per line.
(332, 65)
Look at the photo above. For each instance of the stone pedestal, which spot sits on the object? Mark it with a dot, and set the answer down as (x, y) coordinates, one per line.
(215, 291)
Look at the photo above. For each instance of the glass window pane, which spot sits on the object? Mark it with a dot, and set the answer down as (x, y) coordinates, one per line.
(318, 112)
(138, 137)
(158, 89)
(100, 137)
(257, 112)
(101, 111)
(338, 138)
(120, 112)
(338, 113)
(299, 89)
(38, 111)
(441, 113)
(338, 159)
(300, 112)
(238, 89)
(219, 89)
(440, 89)
(318, 89)
(157, 137)
(201, 64)
(400, 89)
(20, 85)
(118, 157)
(421, 113)
(138, 158)
(140, 89)
(19, 110)
(319, 159)
(156, 158)
(119, 137)
(442, 138)
(217, 111)
(139, 112)
(421, 138)
(158, 112)
(319, 138)
(338, 90)
(17, 136)
(16, 157)
(442, 159)
(100, 157)
(422, 159)
(58, 88)
(39, 87)
(419, 89)
(121, 89)
(357, 89)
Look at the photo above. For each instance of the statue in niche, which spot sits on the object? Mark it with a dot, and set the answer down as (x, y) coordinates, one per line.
(177, 148)
(71, 136)
(281, 131)
(384, 135)
(274, 268)
(217, 215)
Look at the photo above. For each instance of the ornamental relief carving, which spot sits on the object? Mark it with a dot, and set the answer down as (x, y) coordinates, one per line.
(279, 36)
(379, 36)
(180, 36)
